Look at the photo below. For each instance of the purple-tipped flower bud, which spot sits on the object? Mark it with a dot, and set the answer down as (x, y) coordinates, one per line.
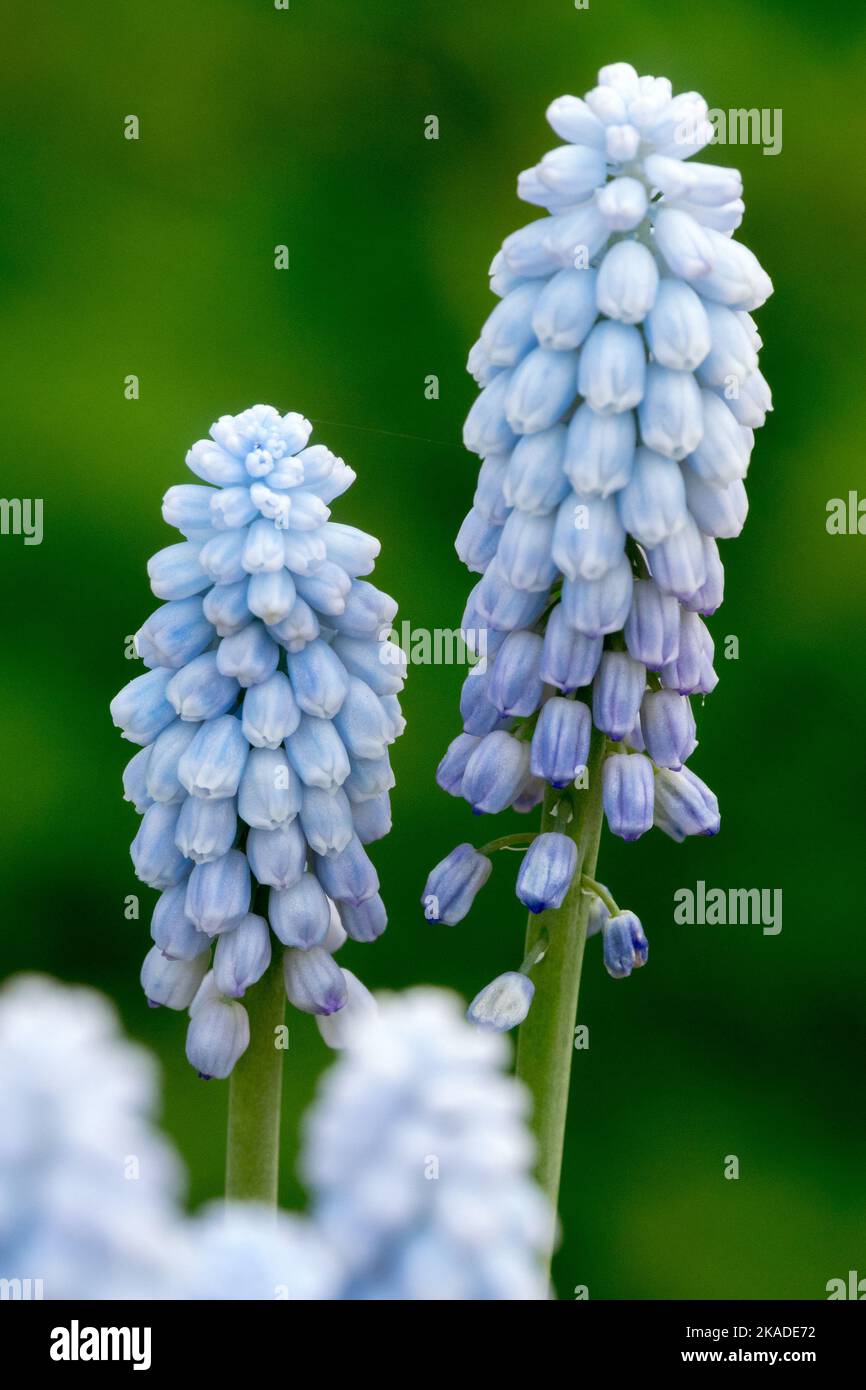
(314, 981)
(495, 772)
(625, 945)
(547, 871)
(514, 685)
(218, 1035)
(668, 727)
(242, 956)
(627, 790)
(560, 742)
(652, 629)
(451, 887)
(218, 893)
(684, 805)
(172, 983)
(569, 660)
(617, 692)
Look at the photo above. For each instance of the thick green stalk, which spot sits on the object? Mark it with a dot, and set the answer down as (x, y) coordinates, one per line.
(546, 1039)
(255, 1092)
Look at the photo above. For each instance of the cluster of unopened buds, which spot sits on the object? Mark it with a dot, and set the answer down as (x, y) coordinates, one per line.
(620, 395)
(264, 721)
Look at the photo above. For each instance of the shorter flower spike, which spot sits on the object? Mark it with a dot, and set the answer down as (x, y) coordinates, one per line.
(264, 722)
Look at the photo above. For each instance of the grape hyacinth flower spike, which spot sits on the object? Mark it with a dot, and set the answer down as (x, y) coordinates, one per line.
(264, 720)
(620, 392)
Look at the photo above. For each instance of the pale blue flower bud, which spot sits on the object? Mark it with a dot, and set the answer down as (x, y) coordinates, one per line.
(175, 572)
(560, 742)
(232, 507)
(486, 430)
(206, 830)
(271, 596)
(565, 310)
(732, 356)
(709, 596)
(300, 915)
(523, 557)
(372, 818)
(722, 456)
(200, 690)
(508, 333)
(588, 539)
(622, 203)
(214, 464)
(617, 692)
(547, 871)
(514, 685)
(668, 727)
(495, 772)
(176, 936)
(277, 857)
(652, 629)
(135, 781)
(222, 557)
(500, 603)
(250, 656)
(326, 820)
(174, 634)
(449, 773)
(678, 328)
(684, 805)
(503, 1004)
(627, 791)
(678, 564)
(218, 1035)
(652, 505)
(303, 554)
(598, 606)
(599, 454)
(225, 606)
(394, 717)
(242, 956)
(573, 120)
(534, 479)
(319, 679)
(326, 589)
(187, 507)
(317, 754)
(141, 710)
(685, 671)
(476, 542)
(213, 764)
(489, 499)
(314, 981)
(369, 777)
(683, 243)
(263, 549)
(541, 390)
(573, 171)
(352, 550)
(627, 282)
(382, 665)
(270, 712)
(368, 612)
(218, 893)
(364, 921)
(625, 945)
(671, 412)
(452, 886)
(718, 511)
(348, 875)
(156, 859)
(171, 983)
(569, 660)
(612, 367)
(270, 790)
(361, 721)
(300, 627)
(162, 782)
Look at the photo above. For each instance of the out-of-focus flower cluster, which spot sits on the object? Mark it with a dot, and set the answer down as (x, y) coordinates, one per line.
(416, 1158)
(264, 722)
(620, 395)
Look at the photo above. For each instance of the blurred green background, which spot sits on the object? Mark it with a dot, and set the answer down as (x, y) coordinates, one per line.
(155, 257)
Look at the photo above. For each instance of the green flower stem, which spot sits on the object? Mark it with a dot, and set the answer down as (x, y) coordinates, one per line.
(546, 1039)
(598, 890)
(255, 1093)
(521, 841)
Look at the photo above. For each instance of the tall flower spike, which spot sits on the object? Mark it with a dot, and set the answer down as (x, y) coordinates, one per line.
(264, 720)
(620, 391)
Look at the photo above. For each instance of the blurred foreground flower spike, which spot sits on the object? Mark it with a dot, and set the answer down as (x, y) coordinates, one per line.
(417, 1160)
(620, 392)
(264, 720)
